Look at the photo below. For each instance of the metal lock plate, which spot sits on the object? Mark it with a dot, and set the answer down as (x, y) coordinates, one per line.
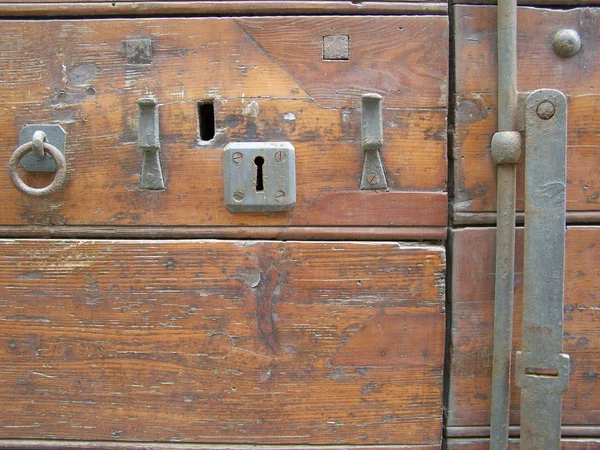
(55, 135)
(259, 176)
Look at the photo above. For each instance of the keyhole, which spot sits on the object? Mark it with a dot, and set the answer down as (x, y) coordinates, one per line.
(259, 161)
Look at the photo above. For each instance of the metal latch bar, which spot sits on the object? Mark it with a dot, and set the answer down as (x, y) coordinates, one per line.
(542, 370)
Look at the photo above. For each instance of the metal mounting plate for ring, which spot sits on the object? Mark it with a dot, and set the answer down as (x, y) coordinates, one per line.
(59, 178)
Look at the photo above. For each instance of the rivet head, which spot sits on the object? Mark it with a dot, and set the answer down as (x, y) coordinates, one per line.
(280, 196)
(237, 157)
(373, 178)
(546, 110)
(238, 196)
(566, 43)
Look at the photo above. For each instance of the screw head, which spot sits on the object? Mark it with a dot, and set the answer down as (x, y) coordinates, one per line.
(237, 157)
(546, 110)
(280, 156)
(566, 43)
(280, 196)
(150, 177)
(373, 178)
(238, 196)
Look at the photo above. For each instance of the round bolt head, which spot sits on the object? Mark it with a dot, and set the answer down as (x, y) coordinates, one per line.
(280, 156)
(237, 157)
(373, 178)
(545, 110)
(280, 196)
(150, 177)
(238, 196)
(566, 43)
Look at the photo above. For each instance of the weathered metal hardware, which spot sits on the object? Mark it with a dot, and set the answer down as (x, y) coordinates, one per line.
(566, 43)
(149, 143)
(542, 370)
(37, 160)
(373, 175)
(39, 145)
(546, 129)
(259, 176)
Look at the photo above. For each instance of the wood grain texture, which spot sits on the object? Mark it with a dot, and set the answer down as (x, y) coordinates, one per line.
(14, 444)
(484, 444)
(268, 82)
(472, 311)
(220, 341)
(280, 233)
(538, 67)
(218, 8)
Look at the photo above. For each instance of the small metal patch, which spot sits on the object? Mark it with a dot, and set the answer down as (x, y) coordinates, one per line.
(336, 47)
(55, 135)
(138, 51)
(259, 176)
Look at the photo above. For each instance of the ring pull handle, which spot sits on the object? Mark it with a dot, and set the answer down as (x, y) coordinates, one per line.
(39, 147)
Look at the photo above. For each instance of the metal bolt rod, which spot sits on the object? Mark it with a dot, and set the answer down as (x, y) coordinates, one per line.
(505, 234)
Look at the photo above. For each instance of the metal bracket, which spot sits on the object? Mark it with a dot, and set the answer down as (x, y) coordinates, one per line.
(149, 143)
(542, 370)
(373, 175)
(39, 161)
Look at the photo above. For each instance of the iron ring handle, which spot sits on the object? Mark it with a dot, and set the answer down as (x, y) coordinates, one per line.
(59, 178)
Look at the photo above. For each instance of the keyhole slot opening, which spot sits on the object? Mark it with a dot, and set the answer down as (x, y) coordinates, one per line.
(206, 120)
(259, 162)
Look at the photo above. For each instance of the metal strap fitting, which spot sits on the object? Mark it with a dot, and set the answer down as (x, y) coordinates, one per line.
(373, 175)
(149, 143)
(542, 370)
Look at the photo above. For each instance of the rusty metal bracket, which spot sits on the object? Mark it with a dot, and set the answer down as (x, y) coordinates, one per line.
(37, 160)
(149, 143)
(542, 370)
(373, 175)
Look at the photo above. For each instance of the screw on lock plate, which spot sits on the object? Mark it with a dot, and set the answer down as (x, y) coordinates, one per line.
(259, 176)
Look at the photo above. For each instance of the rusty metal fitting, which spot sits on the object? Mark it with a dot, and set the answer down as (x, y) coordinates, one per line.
(566, 43)
(59, 178)
(506, 147)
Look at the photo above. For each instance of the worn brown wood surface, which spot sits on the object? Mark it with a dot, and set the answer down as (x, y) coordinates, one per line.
(472, 311)
(538, 67)
(220, 341)
(227, 8)
(484, 444)
(13, 444)
(268, 82)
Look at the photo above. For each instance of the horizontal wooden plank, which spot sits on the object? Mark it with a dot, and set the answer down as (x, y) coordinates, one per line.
(484, 444)
(547, 3)
(268, 82)
(475, 103)
(515, 431)
(87, 445)
(282, 233)
(472, 312)
(221, 341)
(45, 8)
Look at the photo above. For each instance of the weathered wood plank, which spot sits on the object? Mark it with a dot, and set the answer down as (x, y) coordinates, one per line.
(539, 67)
(484, 444)
(45, 8)
(220, 341)
(91, 445)
(472, 300)
(268, 82)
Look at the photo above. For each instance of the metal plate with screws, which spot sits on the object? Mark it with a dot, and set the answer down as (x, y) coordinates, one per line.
(55, 135)
(259, 176)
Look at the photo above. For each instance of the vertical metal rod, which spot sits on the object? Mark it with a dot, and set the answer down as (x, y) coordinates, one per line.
(505, 237)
